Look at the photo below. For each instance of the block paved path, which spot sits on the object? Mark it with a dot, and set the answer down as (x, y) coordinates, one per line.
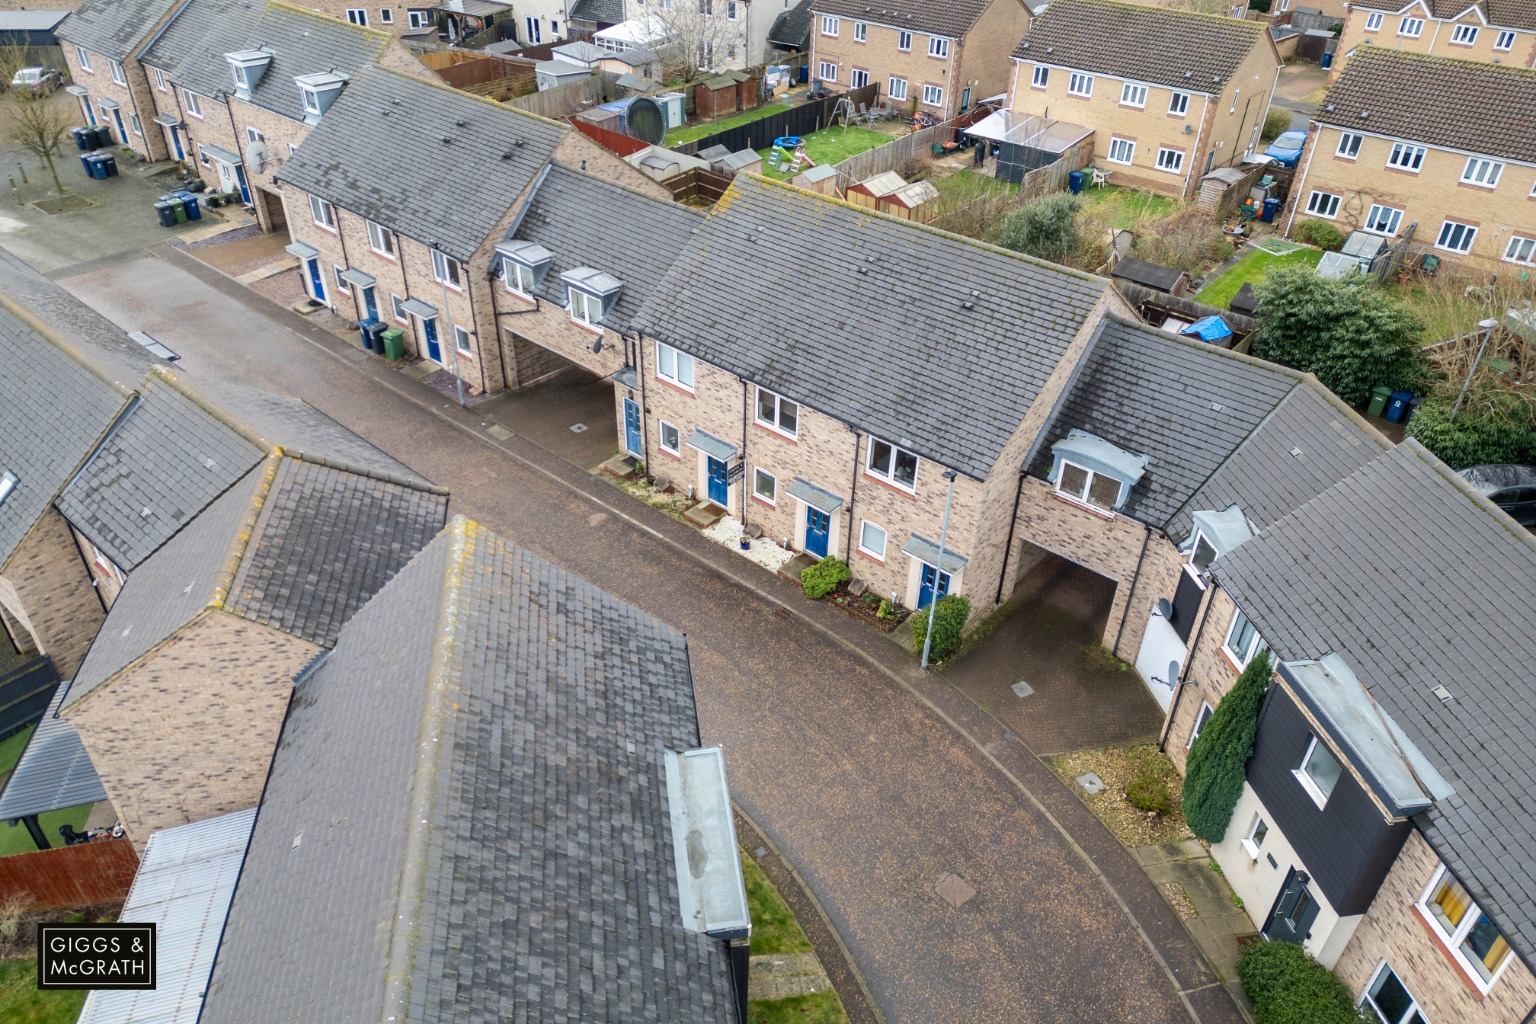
(874, 781)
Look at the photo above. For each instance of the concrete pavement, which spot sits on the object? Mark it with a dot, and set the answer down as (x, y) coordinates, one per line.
(874, 782)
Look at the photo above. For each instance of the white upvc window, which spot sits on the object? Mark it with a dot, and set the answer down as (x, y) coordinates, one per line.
(341, 282)
(1170, 160)
(386, 16)
(872, 539)
(311, 101)
(323, 213)
(1405, 156)
(1201, 718)
(84, 57)
(830, 25)
(1455, 236)
(765, 486)
(358, 16)
(1178, 104)
(1086, 487)
(1080, 84)
(447, 270)
(668, 438)
(133, 123)
(1041, 77)
(1383, 220)
(242, 76)
(858, 78)
(673, 366)
(190, 101)
(381, 240)
(860, 31)
(938, 47)
(894, 465)
(117, 72)
(933, 96)
(1388, 998)
(896, 88)
(461, 340)
(1323, 204)
(827, 72)
(419, 19)
(1521, 250)
(1253, 842)
(1410, 28)
(202, 157)
(1373, 21)
(1243, 642)
(584, 308)
(1201, 553)
(903, 41)
(7, 485)
(1235, 94)
(778, 413)
(1465, 929)
(1349, 145)
(252, 135)
(518, 278)
(1482, 171)
(1121, 151)
(1319, 771)
(160, 80)
(1505, 40)
(1133, 95)
(102, 562)
(397, 305)
(1463, 35)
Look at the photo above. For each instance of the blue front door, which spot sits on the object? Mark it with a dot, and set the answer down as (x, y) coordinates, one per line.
(316, 280)
(370, 304)
(429, 334)
(631, 426)
(932, 578)
(90, 111)
(245, 190)
(181, 154)
(122, 133)
(718, 484)
(818, 526)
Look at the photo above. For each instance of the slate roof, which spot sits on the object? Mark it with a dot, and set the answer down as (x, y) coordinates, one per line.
(192, 47)
(1459, 104)
(305, 43)
(1184, 404)
(1176, 49)
(1152, 275)
(952, 18)
(379, 153)
(170, 457)
(792, 28)
(295, 545)
(41, 447)
(602, 12)
(1419, 585)
(881, 300)
(112, 27)
(54, 771)
(587, 222)
(491, 838)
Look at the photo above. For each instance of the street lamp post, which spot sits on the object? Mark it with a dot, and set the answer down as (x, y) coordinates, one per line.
(938, 570)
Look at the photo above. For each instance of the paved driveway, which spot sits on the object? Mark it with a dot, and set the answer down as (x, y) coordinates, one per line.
(874, 781)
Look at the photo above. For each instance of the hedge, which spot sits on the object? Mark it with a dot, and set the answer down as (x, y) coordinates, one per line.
(1468, 440)
(949, 617)
(825, 576)
(1288, 986)
(1215, 770)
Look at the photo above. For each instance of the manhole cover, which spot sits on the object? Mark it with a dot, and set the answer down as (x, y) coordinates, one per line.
(1022, 689)
(578, 428)
(957, 892)
(1091, 782)
(499, 432)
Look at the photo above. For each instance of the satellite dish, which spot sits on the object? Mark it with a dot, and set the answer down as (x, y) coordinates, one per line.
(646, 121)
(256, 156)
(1164, 609)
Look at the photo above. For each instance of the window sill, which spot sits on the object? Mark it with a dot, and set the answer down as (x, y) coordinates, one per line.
(1401, 170)
(1196, 575)
(1477, 990)
(385, 255)
(1237, 666)
(1478, 185)
(324, 227)
(872, 557)
(1251, 850)
(1131, 106)
(449, 285)
(909, 492)
(529, 299)
(1094, 510)
(775, 432)
(677, 387)
(590, 328)
(1454, 252)
(765, 502)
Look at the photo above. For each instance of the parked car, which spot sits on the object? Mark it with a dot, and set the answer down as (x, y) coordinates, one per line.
(1512, 488)
(38, 81)
(1286, 149)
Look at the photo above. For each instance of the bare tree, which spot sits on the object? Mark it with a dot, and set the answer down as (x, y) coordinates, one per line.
(34, 124)
(700, 36)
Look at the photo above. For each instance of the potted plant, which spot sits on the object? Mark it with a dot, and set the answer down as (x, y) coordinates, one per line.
(746, 543)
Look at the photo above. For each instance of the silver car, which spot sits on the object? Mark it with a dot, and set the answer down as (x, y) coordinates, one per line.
(38, 81)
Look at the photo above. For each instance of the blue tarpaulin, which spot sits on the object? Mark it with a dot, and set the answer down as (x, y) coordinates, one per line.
(1211, 328)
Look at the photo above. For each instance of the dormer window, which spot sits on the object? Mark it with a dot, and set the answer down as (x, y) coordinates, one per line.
(1202, 553)
(7, 485)
(1088, 470)
(591, 294)
(318, 92)
(447, 270)
(247, 66)
(1215, 533)
(523, 266)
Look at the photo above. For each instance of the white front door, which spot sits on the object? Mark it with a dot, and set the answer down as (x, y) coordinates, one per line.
(227, 182)
(1161, 659)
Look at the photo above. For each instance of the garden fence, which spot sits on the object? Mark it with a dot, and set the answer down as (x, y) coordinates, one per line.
(799, 120)
(70, 876)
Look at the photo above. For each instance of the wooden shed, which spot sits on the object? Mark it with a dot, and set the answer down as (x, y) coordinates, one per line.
(822, 178)
(890, 193)
(725, 94)
(1152, 275)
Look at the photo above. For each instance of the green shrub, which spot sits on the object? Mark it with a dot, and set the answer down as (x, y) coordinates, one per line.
(886, 609)
(1319, 233)
(1044, 227)
(825, 576)
(1470, 440)
(1287, 986)
(949, 617)
(1148, 792)
(1214, 772)
(1275, 122)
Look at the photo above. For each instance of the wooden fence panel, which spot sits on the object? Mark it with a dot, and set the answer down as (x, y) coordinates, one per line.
(799, 120)
(571, 98)
(70, 876)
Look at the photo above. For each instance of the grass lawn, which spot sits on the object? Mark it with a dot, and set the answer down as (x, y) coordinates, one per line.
(830, 146)
(1251, 269)
(966, 185)
(689, 132)
(22, 1003)
(16, 838)
(817, 1008)
(10, 750)
(774, 928)
(1127, 207)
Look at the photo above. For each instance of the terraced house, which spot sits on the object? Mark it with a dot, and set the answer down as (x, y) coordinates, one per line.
(100, 40)
(1428, 148)
(1493, 31)
(1170, 95)
(940, 58)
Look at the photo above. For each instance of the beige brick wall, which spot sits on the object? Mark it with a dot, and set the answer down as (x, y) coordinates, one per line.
(881, 56)
(279, 133)
(133, 97)
(1436, 39)
(1210, 670)
(986, 52)
(105, 575)
(375, 13)
(1427, 197)
(1394, 931)
(188, 733)
(52, 593)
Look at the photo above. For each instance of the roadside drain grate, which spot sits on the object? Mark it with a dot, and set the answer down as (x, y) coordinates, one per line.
(956, 891)
(578, 428)
(782, 613)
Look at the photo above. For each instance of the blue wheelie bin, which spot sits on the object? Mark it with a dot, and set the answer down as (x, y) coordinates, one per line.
(365, 328)
(188, 200)
(1397, 406)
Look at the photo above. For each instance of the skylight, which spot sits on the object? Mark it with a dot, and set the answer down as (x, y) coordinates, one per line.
(7, 485)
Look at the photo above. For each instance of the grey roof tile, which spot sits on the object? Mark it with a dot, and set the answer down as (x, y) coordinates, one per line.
(1177, 49)
(1412, 579)
(489, 828)
(792, 28)
(1459, 104)
(305, 43)
(112, 27)
(610, 12)
(192, 45)
(586, 222)
(952, 18)
(880, 300)
(380, 152)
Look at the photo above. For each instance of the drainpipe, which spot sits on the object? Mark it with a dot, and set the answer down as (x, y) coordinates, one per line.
(1315, 138)
(501, 348)
(853, 494)
(1178, 685)
(1146, 538)
(341, 236)
(645, 429)
(746, 412)
(1530, 1018)
(938, 570)
(1013, 521)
